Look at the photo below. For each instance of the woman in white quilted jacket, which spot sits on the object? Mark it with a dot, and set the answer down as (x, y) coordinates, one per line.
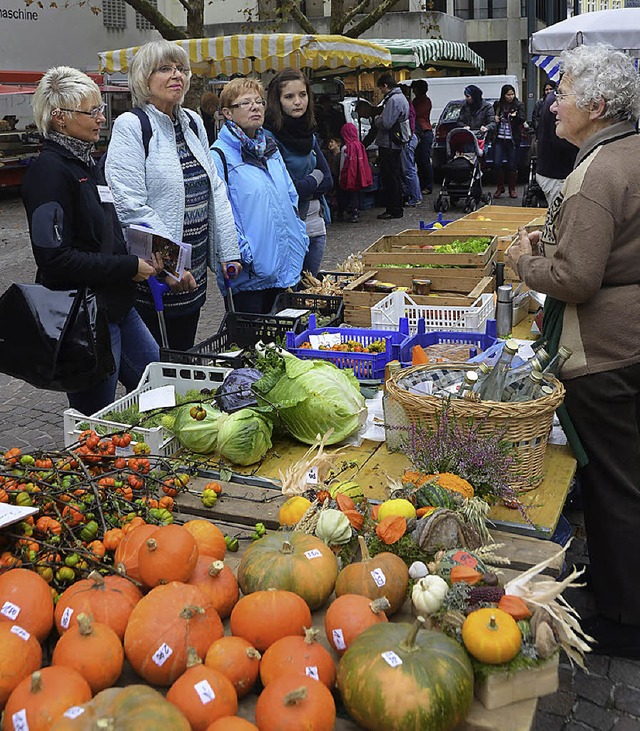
(164, 178)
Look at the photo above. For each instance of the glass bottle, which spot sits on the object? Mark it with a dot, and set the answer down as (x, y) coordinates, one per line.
(538, 362)
(530, 389)
(493, 385)
(467, 386)
(559, 359)
(483, 371)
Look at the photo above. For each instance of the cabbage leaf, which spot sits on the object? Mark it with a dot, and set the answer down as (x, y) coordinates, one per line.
(244, 436)
(198, 436)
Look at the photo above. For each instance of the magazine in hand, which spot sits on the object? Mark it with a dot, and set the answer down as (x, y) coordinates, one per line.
(143, 242)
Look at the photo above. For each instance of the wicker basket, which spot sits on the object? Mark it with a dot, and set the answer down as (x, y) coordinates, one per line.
(524, 424)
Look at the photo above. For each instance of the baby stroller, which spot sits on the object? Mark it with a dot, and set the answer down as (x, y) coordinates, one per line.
(462, 174)
(532, 195)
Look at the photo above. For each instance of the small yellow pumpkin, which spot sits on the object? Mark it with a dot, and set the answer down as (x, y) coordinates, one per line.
(491, 636)
(398, 506)
(292, 511)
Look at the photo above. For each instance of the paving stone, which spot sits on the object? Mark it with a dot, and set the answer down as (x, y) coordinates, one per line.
(559, 703)
(627, 723)
(625, 671)
(627, 699)
(597, 689)
(601, 718)
(597, 664)
(547, 722)
(578, 726)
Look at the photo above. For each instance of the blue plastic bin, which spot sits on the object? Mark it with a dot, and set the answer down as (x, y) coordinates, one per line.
(364, 365)
(432, 224)
(424, 339)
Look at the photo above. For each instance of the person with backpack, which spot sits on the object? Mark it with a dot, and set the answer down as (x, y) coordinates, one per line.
(355, 173)
(161, 175)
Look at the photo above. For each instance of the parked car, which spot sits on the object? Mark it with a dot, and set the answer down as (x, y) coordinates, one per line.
(447, 122)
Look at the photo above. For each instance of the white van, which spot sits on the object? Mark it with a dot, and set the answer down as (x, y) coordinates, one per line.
(443, 89)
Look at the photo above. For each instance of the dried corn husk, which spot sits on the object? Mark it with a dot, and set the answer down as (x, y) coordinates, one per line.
(295, 479)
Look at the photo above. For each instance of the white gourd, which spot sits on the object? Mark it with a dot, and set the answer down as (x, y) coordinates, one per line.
(333, 527)
(429, 593)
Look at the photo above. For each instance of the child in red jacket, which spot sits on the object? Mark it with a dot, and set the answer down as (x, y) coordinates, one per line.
(355, 173)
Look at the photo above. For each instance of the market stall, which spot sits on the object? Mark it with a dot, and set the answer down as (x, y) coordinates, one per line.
(421, 53)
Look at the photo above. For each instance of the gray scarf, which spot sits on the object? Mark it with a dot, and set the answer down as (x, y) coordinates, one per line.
(79, 148)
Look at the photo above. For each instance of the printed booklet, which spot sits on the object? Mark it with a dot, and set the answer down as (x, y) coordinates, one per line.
(143, 242)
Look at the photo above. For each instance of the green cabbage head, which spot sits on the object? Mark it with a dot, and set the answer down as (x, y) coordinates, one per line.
(198, 436)
(244, 437)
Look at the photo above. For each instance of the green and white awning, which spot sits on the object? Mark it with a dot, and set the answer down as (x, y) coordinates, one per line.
(407, 53)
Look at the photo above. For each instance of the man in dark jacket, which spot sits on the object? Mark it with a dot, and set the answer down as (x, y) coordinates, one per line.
(395, 112)
(555, 156)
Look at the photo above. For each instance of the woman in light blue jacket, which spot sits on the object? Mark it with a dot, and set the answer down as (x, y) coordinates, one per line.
(164, 178)
(273, 240)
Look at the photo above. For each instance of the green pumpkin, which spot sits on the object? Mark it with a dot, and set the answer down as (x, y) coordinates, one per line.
(435, 496)
(397, 677)
(349, 488)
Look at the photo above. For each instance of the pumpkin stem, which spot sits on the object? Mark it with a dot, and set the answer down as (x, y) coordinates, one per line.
(380, 605)
(193, 658)
(295, 697)
(253, 654)
(493, 625)
(215, 568)
(97, 578)
(85, 624)
(151, 544)
(409, 642)
(36, 681)
(190, 612)
(366, 556)
(310, 635)
(106, 724)
(286, 547)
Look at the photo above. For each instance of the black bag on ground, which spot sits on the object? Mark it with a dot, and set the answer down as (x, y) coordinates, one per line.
(57, 340)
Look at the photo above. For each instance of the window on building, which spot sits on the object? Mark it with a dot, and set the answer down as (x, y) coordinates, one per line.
(141, 22)
(114, 14)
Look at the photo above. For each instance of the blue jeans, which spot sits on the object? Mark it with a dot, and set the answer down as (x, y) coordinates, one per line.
(505, 149)
(314, 255)
(423, 160)
(410, 183)
(133, 348)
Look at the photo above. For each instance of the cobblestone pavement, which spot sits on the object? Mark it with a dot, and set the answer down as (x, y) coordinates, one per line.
(605, 698)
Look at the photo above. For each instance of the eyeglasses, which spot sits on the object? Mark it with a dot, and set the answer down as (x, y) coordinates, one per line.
(562, 95)
(94, 113)
(248, 103)
(168, 70)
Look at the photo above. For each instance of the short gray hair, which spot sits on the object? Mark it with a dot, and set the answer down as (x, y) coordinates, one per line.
(600, 72)
(62, 87)
(146, 60)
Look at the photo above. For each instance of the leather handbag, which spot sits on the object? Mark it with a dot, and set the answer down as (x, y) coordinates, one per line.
(54, 339)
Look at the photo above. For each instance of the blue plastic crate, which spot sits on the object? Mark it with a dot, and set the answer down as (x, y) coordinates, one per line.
(482, 341)
(432, 224)
(364, 365)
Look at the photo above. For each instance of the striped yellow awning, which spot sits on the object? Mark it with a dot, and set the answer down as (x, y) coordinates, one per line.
(244, 54)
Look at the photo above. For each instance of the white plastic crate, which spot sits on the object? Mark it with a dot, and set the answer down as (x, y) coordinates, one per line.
(386, 314)
(161, 442)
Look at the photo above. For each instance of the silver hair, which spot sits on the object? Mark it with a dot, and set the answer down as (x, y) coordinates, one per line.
(146, 60)
(62, 87)
(600, 72)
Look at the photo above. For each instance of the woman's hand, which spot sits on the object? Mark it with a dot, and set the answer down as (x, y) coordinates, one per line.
(483, 128)
(145, 270)
(186, 284)
(231, 269)
(521, 247)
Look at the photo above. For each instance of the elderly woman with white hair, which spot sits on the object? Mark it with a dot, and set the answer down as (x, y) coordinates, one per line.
(161, 175)
(588, 265)
(75, 234)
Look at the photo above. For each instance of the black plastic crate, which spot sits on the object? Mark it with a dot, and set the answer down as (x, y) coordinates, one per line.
(329, 308)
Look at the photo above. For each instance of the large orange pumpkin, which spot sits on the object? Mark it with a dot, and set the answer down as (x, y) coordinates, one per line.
(20, 655)
(218, 582)
(203, 694)
(349, 615)
(94, 650)
(209, 538)
(163, 625)
(291, 703)
(127, 556)
(298, 656)
(294, 561)
(383, 575)
(134, 708)
(25, 600)
(236, 659)
(169, 554)
(42, 697)
(107, 599)
(265, 616)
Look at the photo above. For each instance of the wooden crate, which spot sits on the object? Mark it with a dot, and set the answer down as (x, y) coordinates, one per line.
(409, 250)
(446, 290)
(503, 213)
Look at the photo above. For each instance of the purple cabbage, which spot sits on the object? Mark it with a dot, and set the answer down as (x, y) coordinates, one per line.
(235, 392)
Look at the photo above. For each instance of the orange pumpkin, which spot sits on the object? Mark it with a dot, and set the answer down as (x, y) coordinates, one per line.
(218, 582)
(299, 656)
(126, 557)
(45, 695)
(515, 606)
(383, 575)
(163, 625)
(94, 650)
(169, 554)
(296, 562)
(491, 636)
(20, 656)
(466, 574)
(202, 694)
(232, 723)
(263, 617)
(236, 659)
(391, 529)
(25, 598)
(107, 599)
(209, 538)
(291, 703)
(349, 615)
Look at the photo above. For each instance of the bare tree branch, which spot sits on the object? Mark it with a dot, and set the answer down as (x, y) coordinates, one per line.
(336, 23)
(357, 9)
(300, 18)
(370, 20)
(184, 4)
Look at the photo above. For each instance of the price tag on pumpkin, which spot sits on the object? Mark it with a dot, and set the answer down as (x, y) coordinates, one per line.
(338, 639)
(311, 671)
(312, 476)
(20, 631)
(73, 712)
(19, 720)
(378, 576)
(205, 691)
(391, 658)
(162, 654)
(66, 618)
(313, 553)
(10, 610)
